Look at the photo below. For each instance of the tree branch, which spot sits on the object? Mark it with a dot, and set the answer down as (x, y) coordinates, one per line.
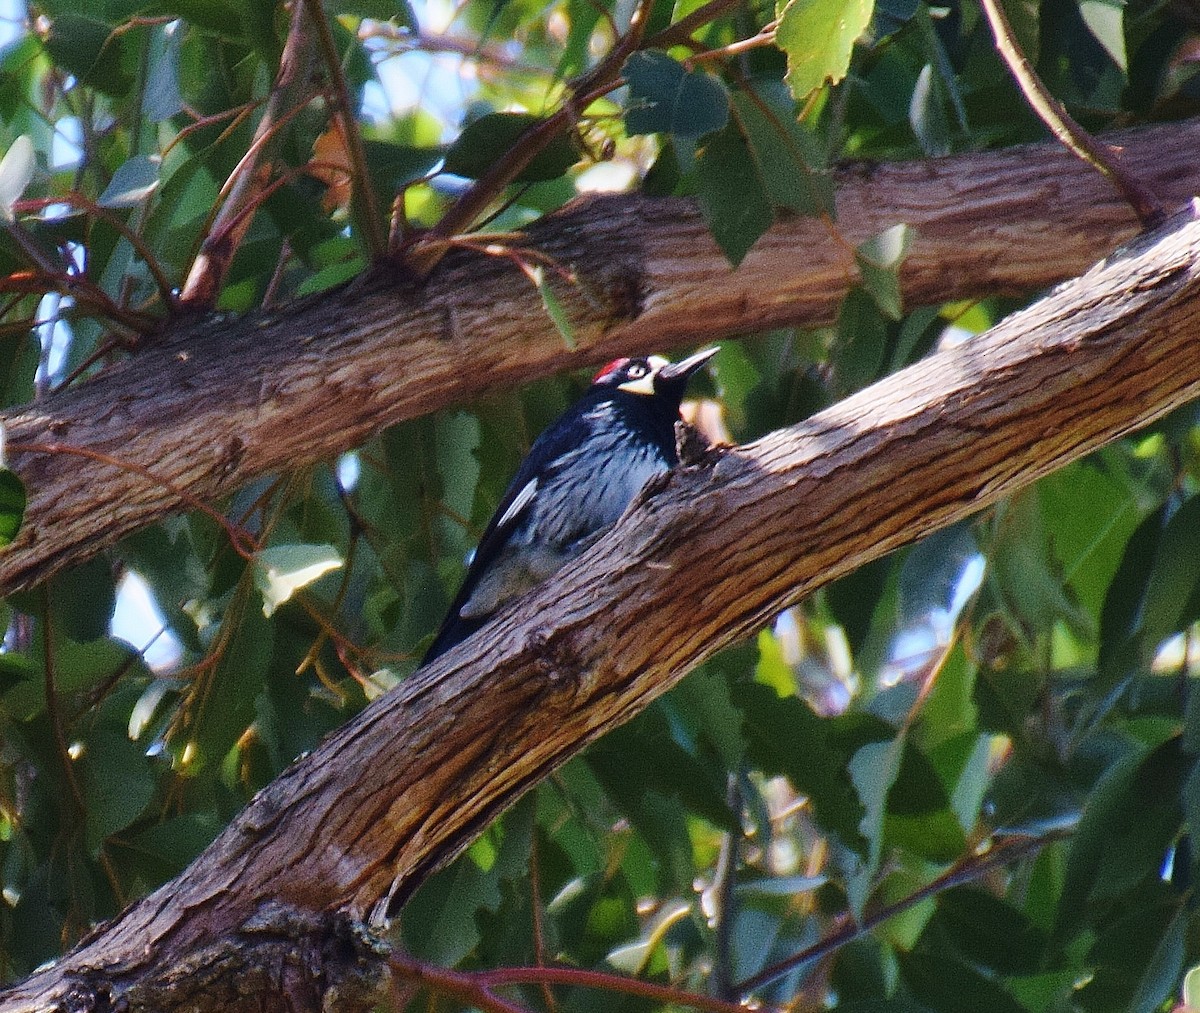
(712, 551)
(281, 388)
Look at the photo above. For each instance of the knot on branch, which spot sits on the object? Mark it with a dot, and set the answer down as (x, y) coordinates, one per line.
(556, 663)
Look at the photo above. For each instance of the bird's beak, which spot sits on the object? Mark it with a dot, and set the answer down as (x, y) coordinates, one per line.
(686, 367)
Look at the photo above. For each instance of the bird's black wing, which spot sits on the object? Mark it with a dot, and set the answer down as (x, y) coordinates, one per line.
(550, 446)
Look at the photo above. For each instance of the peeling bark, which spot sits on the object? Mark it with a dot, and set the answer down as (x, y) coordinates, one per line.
(711, 552)
(211, 403)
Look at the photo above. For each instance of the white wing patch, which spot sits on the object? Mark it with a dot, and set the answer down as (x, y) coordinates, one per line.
(519, 503)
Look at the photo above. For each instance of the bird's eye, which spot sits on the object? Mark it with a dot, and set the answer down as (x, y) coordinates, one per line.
(637, 370)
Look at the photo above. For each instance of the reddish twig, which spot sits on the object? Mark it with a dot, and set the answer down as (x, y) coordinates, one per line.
(453, 983)
(584, 90)
(90, 207)
(212, 263)
(539, 928)
(478, 986)
(966, 871)
(239, 114)
(680, 33)
(237, 539)
(765, 37)
(1102, 157)
(78, 286)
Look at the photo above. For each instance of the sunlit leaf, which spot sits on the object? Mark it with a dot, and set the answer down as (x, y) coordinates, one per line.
(132, 183)
(282, 570)
(16, 170)
(818, 37)
(1105, 20)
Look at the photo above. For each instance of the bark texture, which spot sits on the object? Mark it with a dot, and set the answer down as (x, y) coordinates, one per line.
(211, 403)
(710, 552)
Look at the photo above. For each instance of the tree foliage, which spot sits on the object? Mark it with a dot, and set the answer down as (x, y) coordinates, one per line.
(963, 777)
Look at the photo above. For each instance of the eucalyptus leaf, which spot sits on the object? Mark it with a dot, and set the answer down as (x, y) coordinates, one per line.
(282, 570)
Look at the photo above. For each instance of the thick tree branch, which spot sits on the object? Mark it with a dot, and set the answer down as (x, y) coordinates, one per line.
(710, 553)
(216, 402)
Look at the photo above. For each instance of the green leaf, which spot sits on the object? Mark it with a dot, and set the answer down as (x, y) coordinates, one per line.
(989, 932)
(132, 183)
(222, 703)
(77, 667)
(1088, 516)
(666, 98)
(1106, 21)
(117, 783)
(1157, 985)
(12, 506)
(393, 166)
(221, 18)
(734, 201)
(927, 114)
(873, 769)
(1147, 597)
(90, 50)
(554, 309)
(818, 37)
(484, 141)
(783, 155)
(861, 342)
(1132, 815)
(784, 736)
(162, 98)
(879, 260)
(282, 570)
(83, 599)
(946, 984)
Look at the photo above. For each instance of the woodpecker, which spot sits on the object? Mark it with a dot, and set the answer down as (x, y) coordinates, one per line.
(578, 478)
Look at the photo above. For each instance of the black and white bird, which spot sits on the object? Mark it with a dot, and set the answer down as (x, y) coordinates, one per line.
(578, 478)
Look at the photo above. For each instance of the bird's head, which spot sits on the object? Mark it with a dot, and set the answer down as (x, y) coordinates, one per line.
(652, 375)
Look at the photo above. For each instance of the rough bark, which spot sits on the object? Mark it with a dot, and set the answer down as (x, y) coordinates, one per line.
(211, 403)
(711, 552)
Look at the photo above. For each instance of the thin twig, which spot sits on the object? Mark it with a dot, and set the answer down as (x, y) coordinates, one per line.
(478, 986)
(90, 207)
(724, 891)
(766, 37)
(78, 286)
(406, 41)
(203, 122)
(1102, 157)
(237, 539)
(584, 90)
(452, 983)
(539, 928)
(966, 871)
(680, 33)
(54, 712)
(212, 263)
(579, 978)
(363, 200)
